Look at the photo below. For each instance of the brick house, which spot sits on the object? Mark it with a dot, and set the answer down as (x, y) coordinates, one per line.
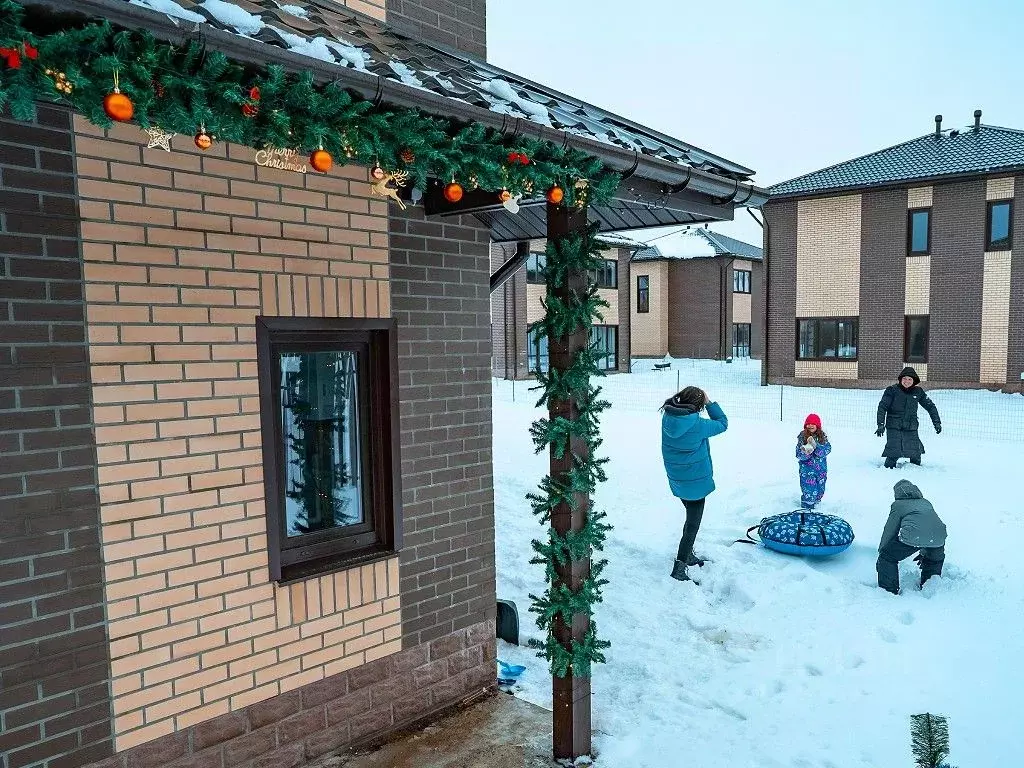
(167, 318)
(905, 256)
(696, 295)
(517, 353)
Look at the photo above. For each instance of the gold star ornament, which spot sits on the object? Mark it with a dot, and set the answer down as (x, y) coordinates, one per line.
(159, 139)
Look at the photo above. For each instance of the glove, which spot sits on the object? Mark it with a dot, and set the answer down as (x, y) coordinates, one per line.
(938, 429)
(808, 448)
(880, 431)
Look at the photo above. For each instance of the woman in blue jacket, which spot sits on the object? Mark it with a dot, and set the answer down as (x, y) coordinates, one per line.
(687, 456)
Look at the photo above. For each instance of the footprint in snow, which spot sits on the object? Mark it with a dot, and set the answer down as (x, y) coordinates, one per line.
(906, 618)
(853, 662)
(887, 635)
(813, 671)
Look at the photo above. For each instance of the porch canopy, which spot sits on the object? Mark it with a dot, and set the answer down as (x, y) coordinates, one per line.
(664, 181)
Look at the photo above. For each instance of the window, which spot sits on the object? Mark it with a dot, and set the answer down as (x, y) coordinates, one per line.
(915, 339)
(919, 231)
(607, 276)
(537, 352)
(535, 263)
(741, 281)
(605, 341)
(827, 339)
(741, 339)
(643, 294)
(330, 442)
(999, 226)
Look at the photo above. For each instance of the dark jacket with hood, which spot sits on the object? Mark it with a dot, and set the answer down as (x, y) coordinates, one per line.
(912, 520)
(684, 448)
(897, 414)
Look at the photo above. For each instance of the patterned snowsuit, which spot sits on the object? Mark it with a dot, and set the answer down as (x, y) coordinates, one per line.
(813, 472)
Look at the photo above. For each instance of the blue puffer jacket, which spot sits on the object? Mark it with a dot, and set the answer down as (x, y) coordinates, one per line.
(684, 448)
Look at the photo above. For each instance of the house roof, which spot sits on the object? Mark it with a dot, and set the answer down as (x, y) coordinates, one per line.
(990, 149)
(328, 32)
(698, 243)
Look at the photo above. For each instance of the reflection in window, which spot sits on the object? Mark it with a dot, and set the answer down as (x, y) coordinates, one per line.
(827, 339)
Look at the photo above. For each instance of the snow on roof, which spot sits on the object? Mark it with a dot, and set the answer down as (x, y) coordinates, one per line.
(696, 243)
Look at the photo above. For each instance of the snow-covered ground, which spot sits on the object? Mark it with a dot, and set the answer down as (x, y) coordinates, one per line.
(773, 660)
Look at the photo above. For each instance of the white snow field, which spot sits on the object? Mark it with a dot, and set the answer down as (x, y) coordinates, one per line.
(775, 660)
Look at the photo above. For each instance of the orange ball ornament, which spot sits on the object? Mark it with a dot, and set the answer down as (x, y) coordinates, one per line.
(453, 192)
(555, 195)
(118, 106)
(203, 140)
(504, 196)
(321, 160)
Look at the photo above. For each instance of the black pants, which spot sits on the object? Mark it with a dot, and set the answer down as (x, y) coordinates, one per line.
(694, 514)
(888, 565)
(891, 463)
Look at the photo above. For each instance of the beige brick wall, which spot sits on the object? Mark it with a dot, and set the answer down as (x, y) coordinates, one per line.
(649, 331)
(918, 285)
(741, 307)
(535, 293)
(814, 369)
(374, 8)
(995, 317)
(182, 251)
(921, 368)
(999, 189)
(828, 257)
(919, 197)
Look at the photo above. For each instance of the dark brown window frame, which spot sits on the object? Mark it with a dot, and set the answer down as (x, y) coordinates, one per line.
(645, 307)
(906, 338)
(537, 256)
(614, 355)
(990, 245)
(749, 281)
(836, 359)
(750, 338)
(612, 268)
(382, 538)
(910, 231)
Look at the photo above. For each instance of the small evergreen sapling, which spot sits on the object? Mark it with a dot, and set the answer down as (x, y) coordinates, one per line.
(929, 735)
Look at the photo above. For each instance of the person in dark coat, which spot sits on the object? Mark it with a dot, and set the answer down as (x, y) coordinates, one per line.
(913, 526)
(897, 418)
(687, 458)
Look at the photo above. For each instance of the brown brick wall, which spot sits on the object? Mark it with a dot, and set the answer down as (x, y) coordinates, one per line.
(54, 669)
(957, 280)
(458, 24)
(441, 299)
(1015, 346)
(781, 309)
(625, 311)
(696, 318)
(883, 277)
(756, 310)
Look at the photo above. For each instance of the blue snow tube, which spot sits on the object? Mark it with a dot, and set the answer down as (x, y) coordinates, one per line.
(808, 534)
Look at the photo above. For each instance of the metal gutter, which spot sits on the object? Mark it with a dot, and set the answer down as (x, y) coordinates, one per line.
(380, 89)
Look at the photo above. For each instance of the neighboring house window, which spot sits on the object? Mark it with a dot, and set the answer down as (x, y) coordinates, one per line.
(535, 268)
(741, 281)
(330, 442)
(915, 339)
(827, 339)
(919, 231)
(741, 339)
(605, 341)
(999, 226)
(607, 276)
(643, 294)
(537, 352)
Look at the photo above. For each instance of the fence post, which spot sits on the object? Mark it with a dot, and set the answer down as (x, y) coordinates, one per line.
(513, 390)
(677, 380)
(782, 388)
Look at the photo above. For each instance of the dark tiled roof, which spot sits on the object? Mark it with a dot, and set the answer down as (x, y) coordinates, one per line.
(698, 243)
(326, 31)
(953, 153)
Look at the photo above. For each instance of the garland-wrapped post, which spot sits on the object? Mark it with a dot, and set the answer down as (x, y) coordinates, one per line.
(570, 433)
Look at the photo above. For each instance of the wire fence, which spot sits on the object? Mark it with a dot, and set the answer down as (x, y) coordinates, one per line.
(971, 414)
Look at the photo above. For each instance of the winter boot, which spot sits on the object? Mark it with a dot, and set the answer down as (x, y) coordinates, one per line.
(694, 560)
(890, 463)
(916, 461)
(679, 572)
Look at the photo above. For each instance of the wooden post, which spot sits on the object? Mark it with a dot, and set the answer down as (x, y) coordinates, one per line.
(570, 694)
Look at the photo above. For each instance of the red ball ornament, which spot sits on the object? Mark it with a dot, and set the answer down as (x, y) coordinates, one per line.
(321, 160)
(203, 140)
(453, 192)
(555, 195)
(524, 160)
(513, 157)
(118, 106)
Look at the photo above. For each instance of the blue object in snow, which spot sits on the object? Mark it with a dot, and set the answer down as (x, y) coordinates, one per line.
(808, 534)
(510, 671)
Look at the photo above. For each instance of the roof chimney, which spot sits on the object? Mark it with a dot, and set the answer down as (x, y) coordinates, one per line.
(977, 120)
(938, 126)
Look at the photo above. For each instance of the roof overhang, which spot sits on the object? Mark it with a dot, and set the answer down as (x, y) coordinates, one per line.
(916, 181)
(654, 192)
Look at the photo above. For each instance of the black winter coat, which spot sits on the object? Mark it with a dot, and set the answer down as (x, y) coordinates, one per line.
(897, 413)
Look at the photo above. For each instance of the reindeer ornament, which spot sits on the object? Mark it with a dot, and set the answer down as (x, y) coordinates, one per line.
(387, 183)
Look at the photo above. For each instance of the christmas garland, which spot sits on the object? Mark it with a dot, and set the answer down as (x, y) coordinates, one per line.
(564, 257)
(109, 75)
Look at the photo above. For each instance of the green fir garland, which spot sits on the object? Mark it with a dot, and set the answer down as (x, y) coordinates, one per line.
(565, 256)
(182, 89)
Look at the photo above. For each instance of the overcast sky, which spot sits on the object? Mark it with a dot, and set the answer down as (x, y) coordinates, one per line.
(780, 86)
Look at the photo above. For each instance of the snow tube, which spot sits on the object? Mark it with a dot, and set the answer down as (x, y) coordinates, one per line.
(808, 534)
